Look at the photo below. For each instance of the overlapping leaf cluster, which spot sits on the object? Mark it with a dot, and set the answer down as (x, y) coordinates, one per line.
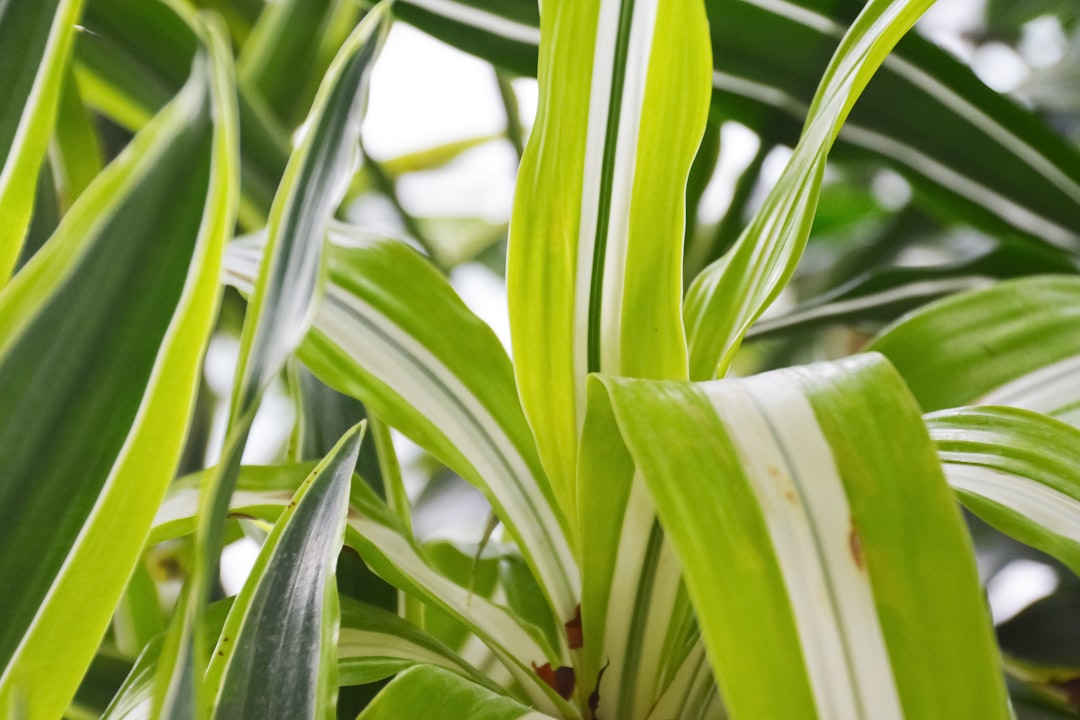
(673, 540)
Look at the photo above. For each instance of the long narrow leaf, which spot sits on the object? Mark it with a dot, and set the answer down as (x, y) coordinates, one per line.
(35, 42)
(281, 308)
(729, 295)
(594, 267)
(153, 224)
(277, 655)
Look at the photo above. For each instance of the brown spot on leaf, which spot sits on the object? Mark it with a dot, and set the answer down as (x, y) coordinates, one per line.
(594, 696)
(574, 637)
(561, 679)
(855, 545)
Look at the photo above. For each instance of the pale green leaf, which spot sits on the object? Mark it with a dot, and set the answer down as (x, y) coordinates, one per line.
(595, 253)
(824, 553)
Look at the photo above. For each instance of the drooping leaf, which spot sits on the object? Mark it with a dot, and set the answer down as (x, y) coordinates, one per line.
(277, 654)
(829, 568)
(1017, 470)
(1016, 343)
(99, 389)
(393, 333)
(35, 44)
(594, 268)
(375, 644)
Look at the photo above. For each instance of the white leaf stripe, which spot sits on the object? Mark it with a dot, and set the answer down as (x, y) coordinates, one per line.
(990, 200)
(508, 640)
(1049, 389)
(480, 19)
(1049, 508)
(809, 523)
(616, 98)
(423, 382)
(641, 608)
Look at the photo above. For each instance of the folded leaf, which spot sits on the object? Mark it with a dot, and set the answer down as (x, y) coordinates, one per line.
(829, 568)
(594, 268)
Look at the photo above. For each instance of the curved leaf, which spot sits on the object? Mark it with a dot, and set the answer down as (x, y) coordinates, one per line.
(829, 568)
(425, 692)
(109, 381)
(393, 333)
(729, 295)
(1017, 470)
(1016, 343)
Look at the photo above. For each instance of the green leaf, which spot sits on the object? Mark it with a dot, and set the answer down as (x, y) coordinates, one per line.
(287, 48)
(134, 57)
(967, 149)
(281, 308)
(634, 608)
(884, 294)
(594, 268)
(729, 295)
(109, 381)
(277, 652)
(1017, 470)
(394, 555)
(35, 43)
(375, 644)
(393, 333)
(1016, 343)
(428, 691)
(823, 553)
